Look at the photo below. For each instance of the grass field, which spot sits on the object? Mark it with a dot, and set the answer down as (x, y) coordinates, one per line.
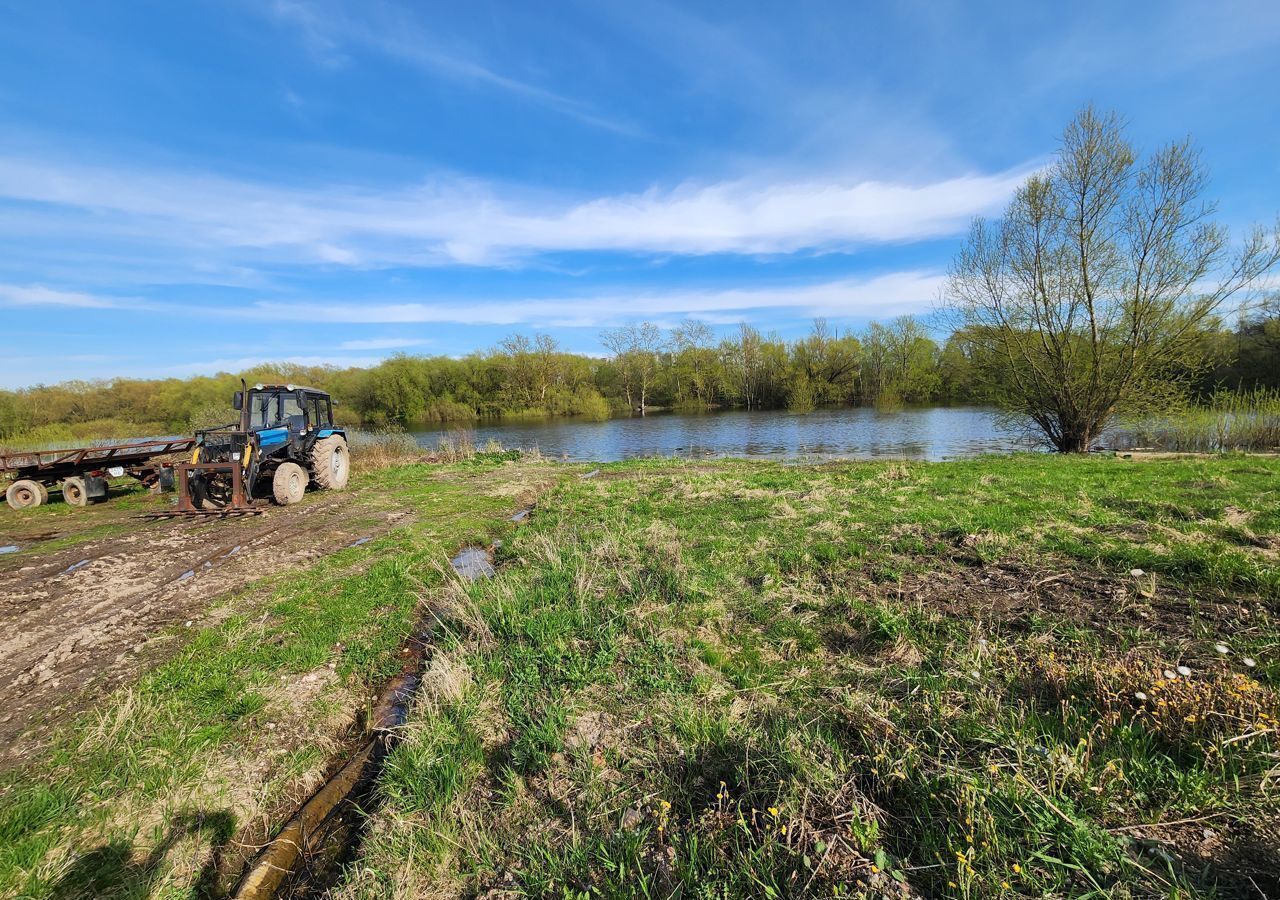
(722, 679)
(737, 679)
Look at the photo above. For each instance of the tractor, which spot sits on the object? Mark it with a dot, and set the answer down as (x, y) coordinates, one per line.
(285, 440)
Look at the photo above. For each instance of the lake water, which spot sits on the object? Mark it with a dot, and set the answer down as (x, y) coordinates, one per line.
(861, 433)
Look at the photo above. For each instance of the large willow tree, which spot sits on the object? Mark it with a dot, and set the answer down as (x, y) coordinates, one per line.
(1087, 299)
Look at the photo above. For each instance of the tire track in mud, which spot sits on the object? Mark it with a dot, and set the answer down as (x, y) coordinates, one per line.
(72, 624)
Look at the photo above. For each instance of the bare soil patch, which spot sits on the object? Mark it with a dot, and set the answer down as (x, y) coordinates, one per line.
(77, 622)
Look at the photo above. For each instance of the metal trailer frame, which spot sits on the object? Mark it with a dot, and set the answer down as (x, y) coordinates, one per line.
(51, 468)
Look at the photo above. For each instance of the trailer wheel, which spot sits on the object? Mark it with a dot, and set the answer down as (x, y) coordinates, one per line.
(25, 494)
(289, 483)
(331, 463)
(74, 491)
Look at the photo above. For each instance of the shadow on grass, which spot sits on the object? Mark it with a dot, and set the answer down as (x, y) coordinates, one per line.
(113, 870)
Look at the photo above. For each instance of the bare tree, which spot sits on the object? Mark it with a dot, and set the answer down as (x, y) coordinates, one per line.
(1087, 297)
(691, 345)
(635, 348)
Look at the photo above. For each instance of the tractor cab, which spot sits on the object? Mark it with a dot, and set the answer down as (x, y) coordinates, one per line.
(266, 407)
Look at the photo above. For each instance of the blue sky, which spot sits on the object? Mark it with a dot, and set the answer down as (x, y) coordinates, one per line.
(197, 186)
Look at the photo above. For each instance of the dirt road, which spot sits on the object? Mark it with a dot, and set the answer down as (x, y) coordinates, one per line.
(77, 621)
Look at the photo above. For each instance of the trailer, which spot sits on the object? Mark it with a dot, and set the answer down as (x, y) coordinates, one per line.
(82, 473)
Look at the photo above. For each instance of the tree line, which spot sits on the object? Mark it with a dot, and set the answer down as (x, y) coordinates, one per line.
(686, 368)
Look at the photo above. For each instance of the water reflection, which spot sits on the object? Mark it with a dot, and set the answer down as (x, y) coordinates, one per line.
(915, 433)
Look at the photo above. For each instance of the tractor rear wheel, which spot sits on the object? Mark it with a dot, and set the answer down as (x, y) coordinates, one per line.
(25, 494)
(74, 491)
(331, 463)
(289, 483)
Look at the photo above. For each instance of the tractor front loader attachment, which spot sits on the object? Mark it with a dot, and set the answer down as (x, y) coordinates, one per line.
(211, 487)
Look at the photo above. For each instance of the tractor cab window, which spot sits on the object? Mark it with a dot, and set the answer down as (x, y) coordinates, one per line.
(316, 409)
(289, 407)
(272, 410)
(264, 410)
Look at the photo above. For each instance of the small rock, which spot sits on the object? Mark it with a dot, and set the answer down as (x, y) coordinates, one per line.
(1140, 695)
(1184, 671)
(1221, 648)
(1249, 661)
(632, 817)
(1137, 573)
(1170, 674)
(188, 623)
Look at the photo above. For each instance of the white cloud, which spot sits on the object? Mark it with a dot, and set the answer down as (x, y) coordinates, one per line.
(327, 28)
(38, 295)
(241, 363)
(474, 223)
(880, 296)
(390, 343)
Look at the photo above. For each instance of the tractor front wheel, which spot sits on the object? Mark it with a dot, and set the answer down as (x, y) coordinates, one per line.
(74, 491)
(331, 463)
(25, 494)
(289, 483)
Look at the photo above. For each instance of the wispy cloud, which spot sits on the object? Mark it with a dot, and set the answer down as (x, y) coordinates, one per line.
(880, 296)
(39, 295)
(438, 221)
(388, 343)
(241, 363)
(328, 28)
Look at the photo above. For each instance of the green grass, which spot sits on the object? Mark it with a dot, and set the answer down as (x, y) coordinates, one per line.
(733, 679)
(159, 762)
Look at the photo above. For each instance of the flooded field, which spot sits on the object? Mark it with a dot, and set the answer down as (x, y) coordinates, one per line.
(932, 433)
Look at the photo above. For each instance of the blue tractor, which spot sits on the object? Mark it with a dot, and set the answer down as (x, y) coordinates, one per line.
(285, 440)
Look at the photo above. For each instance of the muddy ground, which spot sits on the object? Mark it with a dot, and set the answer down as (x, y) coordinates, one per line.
(78, 620)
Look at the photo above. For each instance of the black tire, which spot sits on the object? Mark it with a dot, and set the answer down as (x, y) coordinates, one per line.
(74, 491)
(25, 494)
(331, 463)
(289, 483)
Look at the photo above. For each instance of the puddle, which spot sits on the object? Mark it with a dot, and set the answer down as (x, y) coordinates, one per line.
(74, 566)
(592, 474)
(190, 573)
(473, 563)
(232, 552)
(359, 541)
(11, 548)
(521, 516)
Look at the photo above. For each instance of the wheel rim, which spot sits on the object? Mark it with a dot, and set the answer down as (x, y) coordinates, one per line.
(339, 462)
(72, 492)
(24, 496)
